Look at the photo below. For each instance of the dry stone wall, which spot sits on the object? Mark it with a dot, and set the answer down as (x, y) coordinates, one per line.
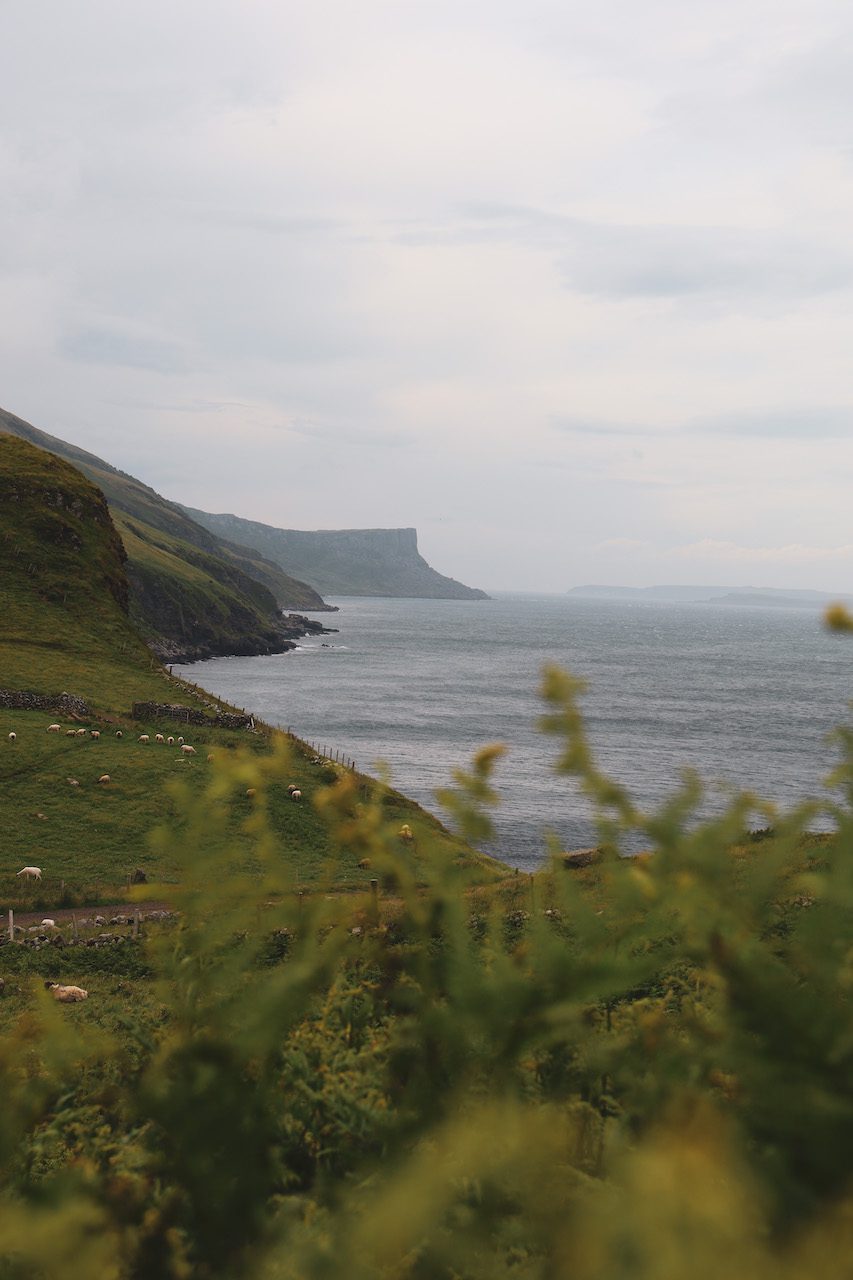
(187, 715)
(22, 700)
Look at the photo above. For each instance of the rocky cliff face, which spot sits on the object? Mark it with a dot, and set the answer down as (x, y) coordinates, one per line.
(352, 562)
(189, 594)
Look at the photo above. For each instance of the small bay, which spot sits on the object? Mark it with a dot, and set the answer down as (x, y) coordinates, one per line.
(747, 696)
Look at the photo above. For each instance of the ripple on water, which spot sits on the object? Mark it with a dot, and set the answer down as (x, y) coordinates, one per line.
(746, 696)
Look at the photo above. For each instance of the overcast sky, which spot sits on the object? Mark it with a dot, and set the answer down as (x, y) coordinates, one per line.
(567, 286)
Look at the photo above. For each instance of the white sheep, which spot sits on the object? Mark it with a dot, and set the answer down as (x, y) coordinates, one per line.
(30, 873)
(48, 924)
(95, 733)
(54, 728)
(72, 782)
(71, 733)
(66, 995)
(119, 733)
(81, 733)
(187, 750)
(405, 832)
(180, 742)
(12, 737)
(158, 737)
(143, 737)
(105, 777)
(296, 794)
(170, 741)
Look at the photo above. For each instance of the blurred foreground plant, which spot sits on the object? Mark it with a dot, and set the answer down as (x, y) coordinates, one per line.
(642, 1069)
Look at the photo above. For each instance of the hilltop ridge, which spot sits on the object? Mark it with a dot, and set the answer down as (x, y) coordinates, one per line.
(191, 594)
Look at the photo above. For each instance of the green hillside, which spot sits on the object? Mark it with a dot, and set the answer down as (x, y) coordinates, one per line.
(192, 594)
(65, 627)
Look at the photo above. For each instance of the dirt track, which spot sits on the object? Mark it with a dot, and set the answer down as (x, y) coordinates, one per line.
(27, 918)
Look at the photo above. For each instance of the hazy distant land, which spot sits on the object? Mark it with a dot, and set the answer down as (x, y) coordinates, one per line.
(778, 597)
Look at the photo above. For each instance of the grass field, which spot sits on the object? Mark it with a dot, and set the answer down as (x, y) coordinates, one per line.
(87, 838)
(64, 628)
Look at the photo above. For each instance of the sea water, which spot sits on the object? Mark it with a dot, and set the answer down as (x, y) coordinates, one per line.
(747, 696)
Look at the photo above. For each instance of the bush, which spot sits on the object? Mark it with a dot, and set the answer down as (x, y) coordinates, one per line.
(642, 1070)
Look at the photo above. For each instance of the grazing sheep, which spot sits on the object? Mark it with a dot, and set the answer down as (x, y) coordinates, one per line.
(405, 832)
(170, 741)
(81, 733)
(66, 995)
(251, 793)
(72, 782)
(95, 733)
(158, 737)
(30, 873)
(105, 777)
(119, 733)
(48, 924)
(54, 728)
(12, 737)
(180, 742)
(291, 787)
(296, 795)
(71, 733)
(143, 737)
(187, 750)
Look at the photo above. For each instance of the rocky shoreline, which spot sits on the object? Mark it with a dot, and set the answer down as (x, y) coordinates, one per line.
(283, 636)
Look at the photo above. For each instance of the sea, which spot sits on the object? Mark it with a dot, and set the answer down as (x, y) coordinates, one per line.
(746, 696)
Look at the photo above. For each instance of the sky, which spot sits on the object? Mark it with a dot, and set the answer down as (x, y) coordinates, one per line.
(567, 287)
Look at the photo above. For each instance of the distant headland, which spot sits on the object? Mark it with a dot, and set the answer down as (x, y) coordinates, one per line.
(769, 597)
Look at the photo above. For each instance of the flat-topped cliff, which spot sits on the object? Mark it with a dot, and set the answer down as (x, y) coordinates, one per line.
(351, 562)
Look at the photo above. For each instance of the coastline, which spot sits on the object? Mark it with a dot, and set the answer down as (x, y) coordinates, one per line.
(283, 637)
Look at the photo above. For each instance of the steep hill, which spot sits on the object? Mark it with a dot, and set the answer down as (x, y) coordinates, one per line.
(192, 594)
(354, 562)
(65, 629)
(64, 590)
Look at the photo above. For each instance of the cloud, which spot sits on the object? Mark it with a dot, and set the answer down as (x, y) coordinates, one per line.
(795, 553)
(582, 426)
(621, 545)
(615, 259)
(112, 346)
(445, 264)
(815, 422)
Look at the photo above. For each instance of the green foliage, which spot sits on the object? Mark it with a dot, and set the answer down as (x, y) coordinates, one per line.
(640, 1070)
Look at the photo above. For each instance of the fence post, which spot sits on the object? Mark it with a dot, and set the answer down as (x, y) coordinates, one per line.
(374, 901)
(11, 925)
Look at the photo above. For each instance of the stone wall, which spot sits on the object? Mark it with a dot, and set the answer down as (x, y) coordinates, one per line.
(22, 700)
(186, 715)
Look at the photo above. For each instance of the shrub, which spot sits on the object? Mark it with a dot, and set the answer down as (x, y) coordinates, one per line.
(642, 1070)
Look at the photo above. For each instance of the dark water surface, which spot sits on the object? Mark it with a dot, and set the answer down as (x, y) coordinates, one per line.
(744, 695)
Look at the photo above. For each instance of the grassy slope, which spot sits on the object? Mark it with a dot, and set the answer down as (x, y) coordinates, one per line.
(63, 628)
(235, 594)
(188, 598)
